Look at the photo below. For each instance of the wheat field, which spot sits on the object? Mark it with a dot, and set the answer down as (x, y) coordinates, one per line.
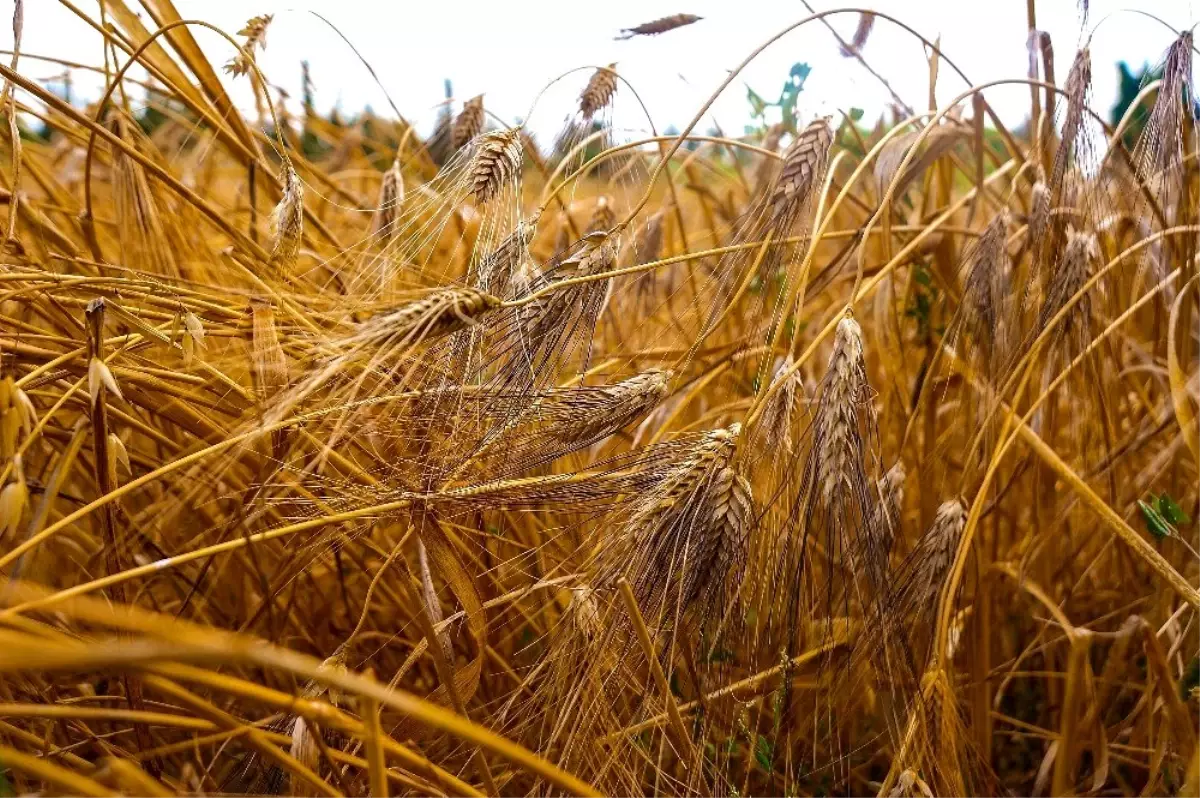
(836, 458)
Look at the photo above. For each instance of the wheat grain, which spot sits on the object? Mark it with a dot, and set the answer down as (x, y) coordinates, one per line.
(603, 217)
(862, 32)
(657, 26)
(496, 162)
(14, 498)
(391, 201)
(141, 232)
(497, 272)
(287, 222)
(439, 313)
(688, 538)
(1039, 214)
(845, 386)
(268, 363)
(777, 416)
(1079, 83)
(986, 290)
(1069, 276)
(1161, 148)
(884, 526)
(803, 165)
(599, 92)
(468, 124)
(587, 415)
(255, 31)
(931, 558)
(100, 378)
(247, 427)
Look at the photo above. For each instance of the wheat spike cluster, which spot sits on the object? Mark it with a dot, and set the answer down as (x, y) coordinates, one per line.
(838, 457)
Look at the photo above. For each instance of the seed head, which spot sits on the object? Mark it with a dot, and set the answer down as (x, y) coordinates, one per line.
(803, 166)
(885, 522)
(837, 416)
(1039, 212)
(689, 537)
(496, 162)
(443, 311)
(866, 21)
(658, 26)
(603, 217)
(776, 419)
(101, 377)
(469, 123)
(935, 550)
(986, 287)
(287, 221)
(268, 364)
(1072, 273)
(497, 270)
(14, 497)
(592, 254)
(1079, 82)
(391, 200)
(599, 92)
(596, 412)
(118, 453)
(648, 246)
(255, 32)
(583, 613)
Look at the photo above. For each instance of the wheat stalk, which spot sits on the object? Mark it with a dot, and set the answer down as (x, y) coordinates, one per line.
(614, 588)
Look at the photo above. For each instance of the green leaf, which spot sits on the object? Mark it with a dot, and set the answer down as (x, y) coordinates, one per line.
(856, 114)
(1171, 511)
(764, 753)
(791, 91)
(1191, 678)
(757, 104)
(1155, 523)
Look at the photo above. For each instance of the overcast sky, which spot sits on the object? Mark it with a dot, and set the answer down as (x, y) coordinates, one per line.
(510, 51)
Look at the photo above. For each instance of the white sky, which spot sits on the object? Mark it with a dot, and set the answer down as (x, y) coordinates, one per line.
(511, 50)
